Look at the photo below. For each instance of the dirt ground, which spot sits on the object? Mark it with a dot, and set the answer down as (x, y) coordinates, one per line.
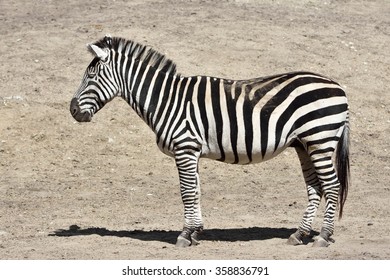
(103, 190)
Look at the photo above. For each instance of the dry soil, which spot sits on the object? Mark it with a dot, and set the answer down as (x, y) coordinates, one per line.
(102, 190)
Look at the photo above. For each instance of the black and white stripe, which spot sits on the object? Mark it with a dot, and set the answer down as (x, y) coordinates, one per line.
(240, 122)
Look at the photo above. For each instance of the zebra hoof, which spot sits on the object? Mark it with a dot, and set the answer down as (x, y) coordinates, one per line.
(189, 237)
(195, 238)
(182, 242)
(320, 242)
(294, 240)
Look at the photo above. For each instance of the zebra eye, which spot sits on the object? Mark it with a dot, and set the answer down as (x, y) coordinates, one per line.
(91, 72)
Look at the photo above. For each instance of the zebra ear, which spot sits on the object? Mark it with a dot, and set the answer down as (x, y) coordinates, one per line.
(108, 38)
(98, 52)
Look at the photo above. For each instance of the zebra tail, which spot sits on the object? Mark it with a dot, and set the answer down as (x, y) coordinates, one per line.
(342, 162)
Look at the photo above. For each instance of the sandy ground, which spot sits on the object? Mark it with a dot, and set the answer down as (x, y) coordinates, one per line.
(102, 190)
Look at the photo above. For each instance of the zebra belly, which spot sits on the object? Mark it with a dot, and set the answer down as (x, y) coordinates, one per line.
(239, 154)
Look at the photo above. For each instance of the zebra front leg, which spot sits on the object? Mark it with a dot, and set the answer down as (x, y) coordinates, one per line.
(187, 165)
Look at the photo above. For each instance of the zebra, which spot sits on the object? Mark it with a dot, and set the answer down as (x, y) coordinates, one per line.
(233, 121)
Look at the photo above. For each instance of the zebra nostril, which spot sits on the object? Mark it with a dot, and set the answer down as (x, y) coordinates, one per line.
(74, 107)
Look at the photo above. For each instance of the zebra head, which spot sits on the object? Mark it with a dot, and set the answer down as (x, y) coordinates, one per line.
(98, 86)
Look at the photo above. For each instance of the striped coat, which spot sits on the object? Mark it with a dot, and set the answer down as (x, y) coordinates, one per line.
(233, 121)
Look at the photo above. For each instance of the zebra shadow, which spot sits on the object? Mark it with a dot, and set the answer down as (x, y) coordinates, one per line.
(226, 235)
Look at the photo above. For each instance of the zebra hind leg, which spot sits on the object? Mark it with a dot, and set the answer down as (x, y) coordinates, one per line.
(330, 187)
(314, 196)
(333, 185)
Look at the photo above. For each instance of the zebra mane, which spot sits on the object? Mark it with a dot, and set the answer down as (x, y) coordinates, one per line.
(139, 52)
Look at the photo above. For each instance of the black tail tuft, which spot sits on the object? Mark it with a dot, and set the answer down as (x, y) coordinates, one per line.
(342, 162)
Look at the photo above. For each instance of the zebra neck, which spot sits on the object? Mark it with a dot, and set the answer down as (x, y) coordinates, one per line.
(148, 90)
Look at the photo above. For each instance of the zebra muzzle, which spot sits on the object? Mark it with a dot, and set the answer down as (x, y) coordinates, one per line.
(76, 112)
